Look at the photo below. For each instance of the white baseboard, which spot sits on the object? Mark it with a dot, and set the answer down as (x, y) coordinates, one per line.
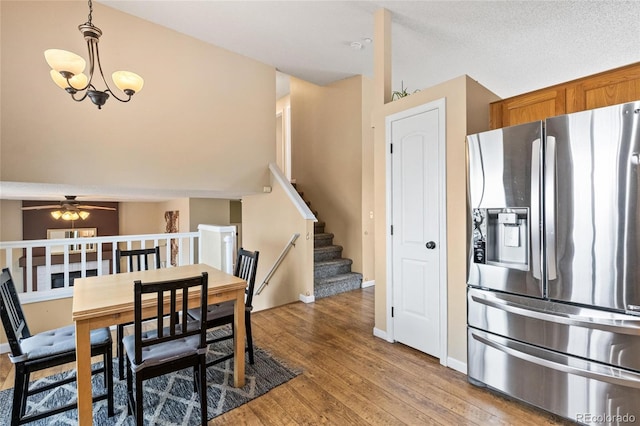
(457, 365)
(369, 283)
(4, 348)
(307, 299)
(379, 333)
(451, 362)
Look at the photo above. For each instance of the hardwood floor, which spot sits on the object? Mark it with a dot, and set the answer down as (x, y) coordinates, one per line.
(350, 377)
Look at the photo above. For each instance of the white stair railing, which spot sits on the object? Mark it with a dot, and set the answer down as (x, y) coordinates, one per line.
(73, 257)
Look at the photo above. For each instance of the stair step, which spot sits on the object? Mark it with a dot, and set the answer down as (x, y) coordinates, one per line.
(318, 227)
(337, 284)
(328, 268)
(322, 239)
(327, 253)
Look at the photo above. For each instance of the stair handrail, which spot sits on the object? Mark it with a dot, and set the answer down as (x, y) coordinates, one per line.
(291, 192)
(275, 266)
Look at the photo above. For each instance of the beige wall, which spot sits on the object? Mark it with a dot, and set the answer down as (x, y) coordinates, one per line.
(206, 211)
(11, 230)
(141, 218)
(10, 220)
(295, 275)
(327, 135)
(368, 201)
(464, 97)
(193, 112)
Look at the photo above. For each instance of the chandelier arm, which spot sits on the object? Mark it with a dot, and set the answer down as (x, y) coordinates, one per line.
(88, 88)
(104, 80)
(92, 48)
(84, 96)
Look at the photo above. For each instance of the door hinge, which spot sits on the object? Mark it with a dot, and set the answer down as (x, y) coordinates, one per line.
(392, 312)
(391, 229)
(391, 145)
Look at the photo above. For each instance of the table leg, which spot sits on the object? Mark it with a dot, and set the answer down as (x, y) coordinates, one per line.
(83, 372)
(238, 341)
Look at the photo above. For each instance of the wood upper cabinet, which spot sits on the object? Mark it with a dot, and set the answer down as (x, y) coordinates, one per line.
(531, 107)
(608, 88)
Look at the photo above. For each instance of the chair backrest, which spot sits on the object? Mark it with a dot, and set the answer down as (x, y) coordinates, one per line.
(246, 267)
(138, 258)
(13, 320)
(169, 291)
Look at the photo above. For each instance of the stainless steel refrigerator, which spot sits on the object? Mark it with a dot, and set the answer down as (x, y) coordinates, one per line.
(553, 296)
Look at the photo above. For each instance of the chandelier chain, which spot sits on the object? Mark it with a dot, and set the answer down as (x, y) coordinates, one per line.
(90, 12)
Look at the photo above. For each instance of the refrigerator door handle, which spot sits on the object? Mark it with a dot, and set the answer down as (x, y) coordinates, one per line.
(536, 235)
(563, 363)
(620, 324)
(550, 206)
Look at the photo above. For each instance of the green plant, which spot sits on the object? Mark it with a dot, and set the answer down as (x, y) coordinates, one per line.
(401, 93)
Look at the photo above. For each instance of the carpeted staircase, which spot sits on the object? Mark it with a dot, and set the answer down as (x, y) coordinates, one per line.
(331, 272)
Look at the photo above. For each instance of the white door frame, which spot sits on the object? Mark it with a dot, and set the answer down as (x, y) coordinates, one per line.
(439, 104)
(285, 115)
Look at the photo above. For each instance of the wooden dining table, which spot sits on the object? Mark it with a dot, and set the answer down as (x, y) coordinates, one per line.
(107, 300)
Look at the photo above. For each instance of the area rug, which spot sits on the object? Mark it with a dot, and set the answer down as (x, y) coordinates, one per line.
(169, 399)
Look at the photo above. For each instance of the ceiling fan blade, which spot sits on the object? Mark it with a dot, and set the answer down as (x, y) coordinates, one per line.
(96, 208)
(52, 206)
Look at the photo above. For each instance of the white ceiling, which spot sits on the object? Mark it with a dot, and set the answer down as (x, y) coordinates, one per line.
(510, 47)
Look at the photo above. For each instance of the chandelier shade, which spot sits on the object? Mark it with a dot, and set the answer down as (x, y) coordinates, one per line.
(63, 61)
(127, 80)
(78, 81)
(67, 70)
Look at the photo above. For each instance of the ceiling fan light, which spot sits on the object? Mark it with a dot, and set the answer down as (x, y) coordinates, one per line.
(70, 215)
(61, 60)
(127, 81)
(56, 214)
(83, 214)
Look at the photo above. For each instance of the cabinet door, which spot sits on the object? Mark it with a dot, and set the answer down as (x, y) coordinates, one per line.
(610, 88)
(532, 107)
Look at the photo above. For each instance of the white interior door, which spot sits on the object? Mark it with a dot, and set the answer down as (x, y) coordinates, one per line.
(415, 204)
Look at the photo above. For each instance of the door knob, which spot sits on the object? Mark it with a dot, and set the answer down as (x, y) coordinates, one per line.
(431, 245)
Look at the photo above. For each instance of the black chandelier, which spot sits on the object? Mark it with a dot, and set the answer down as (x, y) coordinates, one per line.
(67, 70)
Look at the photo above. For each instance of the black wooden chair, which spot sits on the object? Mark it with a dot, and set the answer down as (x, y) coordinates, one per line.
(164, 349)
(137, 260)
(30, 353)
(222, 313)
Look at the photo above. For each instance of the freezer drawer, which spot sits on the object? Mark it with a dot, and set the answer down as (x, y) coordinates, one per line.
(602, 336)
(584, 391)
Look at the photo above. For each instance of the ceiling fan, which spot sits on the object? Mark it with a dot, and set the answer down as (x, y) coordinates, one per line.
(69, 209)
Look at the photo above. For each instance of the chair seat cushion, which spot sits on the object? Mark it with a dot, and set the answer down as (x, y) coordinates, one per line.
(58, 341)
(162, 353)
(218, 310)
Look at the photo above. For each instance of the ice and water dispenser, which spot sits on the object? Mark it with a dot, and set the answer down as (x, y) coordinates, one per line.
(501, 237)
